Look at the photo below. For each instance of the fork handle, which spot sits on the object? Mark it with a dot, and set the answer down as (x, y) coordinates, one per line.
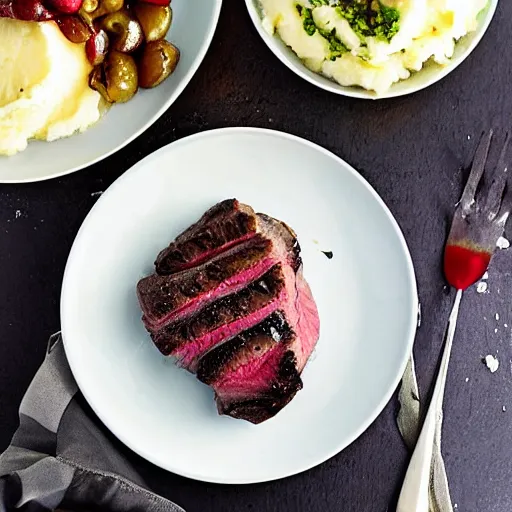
(414, 496)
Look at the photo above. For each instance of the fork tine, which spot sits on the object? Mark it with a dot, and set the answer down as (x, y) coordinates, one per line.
(506, 205)
(495, 195)
(477, 171)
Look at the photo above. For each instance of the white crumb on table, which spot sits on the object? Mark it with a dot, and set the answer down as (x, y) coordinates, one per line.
(455, 504)
(495, 331)
(492, 363)
(481, 287)
(17, 214)
(497, 316)
(485, 276)
(467, 379)
(504, 409)
(502, 243)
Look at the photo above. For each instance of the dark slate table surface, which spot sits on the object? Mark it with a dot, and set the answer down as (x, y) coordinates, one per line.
(412, 150)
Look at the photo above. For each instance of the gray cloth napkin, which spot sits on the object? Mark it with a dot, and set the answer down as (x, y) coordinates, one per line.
(408, 421)
(59, 458)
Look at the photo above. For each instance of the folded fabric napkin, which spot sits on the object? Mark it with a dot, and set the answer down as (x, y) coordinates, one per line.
(59, 459)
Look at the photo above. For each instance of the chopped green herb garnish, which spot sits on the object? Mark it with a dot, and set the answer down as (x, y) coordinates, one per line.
(367, 20)
(307, 20)
(318, 3)
(336, 47)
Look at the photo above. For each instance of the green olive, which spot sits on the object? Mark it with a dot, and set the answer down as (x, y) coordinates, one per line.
(155, 20)
(90, 5)
(94, 9)
(117, 79)
(159, 59)
(126, 33)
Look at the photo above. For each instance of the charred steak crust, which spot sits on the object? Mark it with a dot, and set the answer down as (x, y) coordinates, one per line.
(223, 311)
(223, 226)
(260, 338)
(278, 228)
(164, 294)
(282, 390)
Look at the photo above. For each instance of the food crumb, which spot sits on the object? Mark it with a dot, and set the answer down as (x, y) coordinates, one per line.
(481, 287)
(497, 316)
(329, 255)
(467, 379)
(455, 505)
(97, 194)
(491, 362)
(504, 409)
(485, 276)
(17, 214)
(503, 243)
(495, 331)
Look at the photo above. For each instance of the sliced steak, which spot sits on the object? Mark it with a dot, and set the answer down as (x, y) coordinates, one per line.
(167, 298)
(225, 225)
(164, 299)
(191, 337)
(256, 373)
(229, 302)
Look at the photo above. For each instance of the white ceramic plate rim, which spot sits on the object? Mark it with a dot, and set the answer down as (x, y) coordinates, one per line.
(412, 314)
(172, 98)
(356, 92)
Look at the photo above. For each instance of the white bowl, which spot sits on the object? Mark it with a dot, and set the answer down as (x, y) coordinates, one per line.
(429, 75)
(192, 31)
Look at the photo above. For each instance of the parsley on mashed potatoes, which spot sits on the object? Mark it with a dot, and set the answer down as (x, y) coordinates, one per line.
(371, 43)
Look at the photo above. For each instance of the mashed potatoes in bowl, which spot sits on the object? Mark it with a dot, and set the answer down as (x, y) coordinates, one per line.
(372, 48)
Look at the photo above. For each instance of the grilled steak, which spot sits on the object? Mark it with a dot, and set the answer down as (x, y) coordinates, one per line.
(228, 301)
(225, 225)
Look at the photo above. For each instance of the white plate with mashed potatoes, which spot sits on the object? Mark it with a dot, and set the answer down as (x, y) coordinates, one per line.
(49, 97)
(372, 48)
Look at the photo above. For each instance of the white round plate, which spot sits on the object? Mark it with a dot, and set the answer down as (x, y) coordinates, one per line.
(429, 75)
(366, 295)
(194, 23)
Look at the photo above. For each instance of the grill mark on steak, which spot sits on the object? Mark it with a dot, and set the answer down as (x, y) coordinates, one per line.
(236, 351)
(188, 338)
(164, 298)
(225, 225)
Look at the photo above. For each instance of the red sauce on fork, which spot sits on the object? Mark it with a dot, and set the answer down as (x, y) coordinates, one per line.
(464, 266)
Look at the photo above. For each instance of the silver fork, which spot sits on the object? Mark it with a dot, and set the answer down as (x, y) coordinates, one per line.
(477, 225)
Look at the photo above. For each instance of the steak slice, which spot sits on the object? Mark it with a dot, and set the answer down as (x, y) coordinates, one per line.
(256, 373)
(189, 338)
(225, 225)
(166, 298)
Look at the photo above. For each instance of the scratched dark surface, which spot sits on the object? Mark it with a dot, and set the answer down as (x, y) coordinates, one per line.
(412, 151)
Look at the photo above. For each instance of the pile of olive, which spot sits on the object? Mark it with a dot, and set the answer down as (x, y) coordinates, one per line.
(125, 42)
